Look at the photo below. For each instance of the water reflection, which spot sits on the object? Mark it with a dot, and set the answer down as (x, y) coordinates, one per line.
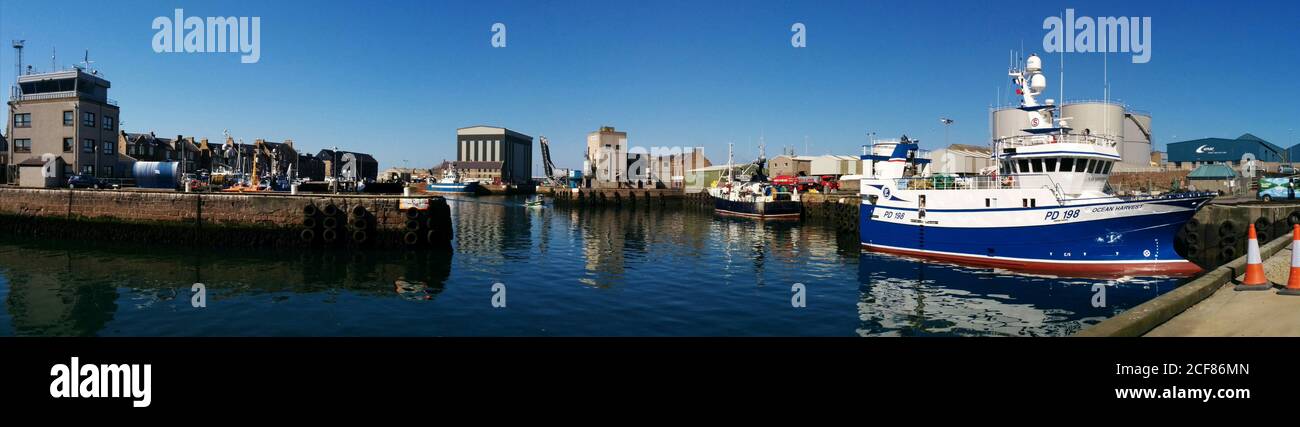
(902, 296)
(60, 288)
(570, 271)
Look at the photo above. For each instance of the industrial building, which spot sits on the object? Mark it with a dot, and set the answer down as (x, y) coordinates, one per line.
(65, 114)
(1130, 128)
(789, 165)
(670, 168)
(830, 164)
(1204, 151)
(606, 157)
(961, 159)
(503, 154)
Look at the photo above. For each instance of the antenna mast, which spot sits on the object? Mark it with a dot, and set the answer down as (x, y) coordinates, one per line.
(18, 46)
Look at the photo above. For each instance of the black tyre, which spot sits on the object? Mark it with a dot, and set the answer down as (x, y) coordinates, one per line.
(358, 211)
(411, 238)
(309, 222)
(310, 210)
(1228, 228)
(1228, 253)
(329, 236)
(330, 210)
(330, 222)
(412, 213)
(308, 235)
(360, 236)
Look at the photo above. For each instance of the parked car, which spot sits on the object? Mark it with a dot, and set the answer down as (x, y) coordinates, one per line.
(1271, 189)
(86, 181)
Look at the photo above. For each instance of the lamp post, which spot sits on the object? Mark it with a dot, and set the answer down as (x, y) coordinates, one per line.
(947, 123)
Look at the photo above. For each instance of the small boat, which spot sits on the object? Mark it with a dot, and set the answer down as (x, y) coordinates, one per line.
(538, 203)
(752, 195)
(451, 183)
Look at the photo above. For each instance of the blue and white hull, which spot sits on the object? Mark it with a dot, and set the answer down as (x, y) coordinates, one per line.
(453, 188)
(1106, 236)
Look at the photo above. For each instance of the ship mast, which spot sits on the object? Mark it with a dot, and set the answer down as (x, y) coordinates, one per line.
(729, 150)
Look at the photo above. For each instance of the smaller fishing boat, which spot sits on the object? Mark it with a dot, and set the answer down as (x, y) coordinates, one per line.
(452, 183)
(535, 203)
(751, 195)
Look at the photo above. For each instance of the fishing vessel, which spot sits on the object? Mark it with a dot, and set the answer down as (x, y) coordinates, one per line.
(452, 183)
(1045, 208)
(750, 194)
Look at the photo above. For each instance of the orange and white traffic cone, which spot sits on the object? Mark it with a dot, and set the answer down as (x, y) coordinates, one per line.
(1293, 282)
(1255, 279)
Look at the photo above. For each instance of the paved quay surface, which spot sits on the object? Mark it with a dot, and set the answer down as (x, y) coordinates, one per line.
(1229, 313)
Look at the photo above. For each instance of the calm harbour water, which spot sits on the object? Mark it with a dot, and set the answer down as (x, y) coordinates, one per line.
(565, 272)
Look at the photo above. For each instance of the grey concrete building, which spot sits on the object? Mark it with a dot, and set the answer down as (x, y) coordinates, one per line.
(513, 150)
(66, 114)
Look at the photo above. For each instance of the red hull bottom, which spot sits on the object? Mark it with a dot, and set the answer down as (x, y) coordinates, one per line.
(793, 216)
(1090, 270)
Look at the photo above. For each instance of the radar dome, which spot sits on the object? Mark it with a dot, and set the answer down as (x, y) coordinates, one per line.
(1033, 63)
(1037, 83)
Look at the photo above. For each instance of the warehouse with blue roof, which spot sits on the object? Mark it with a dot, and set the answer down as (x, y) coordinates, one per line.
(1204, 151)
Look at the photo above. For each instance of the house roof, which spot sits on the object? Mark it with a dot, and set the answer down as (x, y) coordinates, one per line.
(34, 161)
(329, 155)
(1212, 171)
(490, 130)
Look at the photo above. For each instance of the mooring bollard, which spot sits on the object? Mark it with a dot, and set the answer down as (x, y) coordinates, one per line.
(293, 189)
(406, 191)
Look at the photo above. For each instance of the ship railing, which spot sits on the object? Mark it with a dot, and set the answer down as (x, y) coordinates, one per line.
(1170, 196)
(1073, 138)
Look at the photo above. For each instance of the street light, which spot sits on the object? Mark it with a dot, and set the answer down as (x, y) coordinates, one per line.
(947, 122)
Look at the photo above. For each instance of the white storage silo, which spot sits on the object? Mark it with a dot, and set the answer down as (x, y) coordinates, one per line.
(1009, 121)
(1136, 149)
(1099, 118)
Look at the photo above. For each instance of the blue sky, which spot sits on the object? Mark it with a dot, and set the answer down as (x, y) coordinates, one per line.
(397, 78)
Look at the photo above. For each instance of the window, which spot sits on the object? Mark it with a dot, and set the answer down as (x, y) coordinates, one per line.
(1107, 169)
(106, 171)
(23, 120)
(67, 118)
(88, 146)
(109, 148)
(1080, 165)
(1038, 165)
(1023, 166)
(88, 119)
(1092, 166)
(1067, 164)
(88, 169)
(67, 145)
(67, 170)
(1051, 165)
(22, 145)
(108, 122)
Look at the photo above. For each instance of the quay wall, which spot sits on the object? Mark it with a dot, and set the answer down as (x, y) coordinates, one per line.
(618, 197)
(223, 219)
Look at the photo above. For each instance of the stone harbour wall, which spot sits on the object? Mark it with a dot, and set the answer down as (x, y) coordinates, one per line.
(220, 218)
